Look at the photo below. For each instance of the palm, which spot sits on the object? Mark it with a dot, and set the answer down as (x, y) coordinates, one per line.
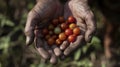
(39, 16)
(85, 21)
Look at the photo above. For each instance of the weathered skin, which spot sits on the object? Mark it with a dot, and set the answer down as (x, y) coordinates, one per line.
(85, 20)
(40, 15)
(46, 10)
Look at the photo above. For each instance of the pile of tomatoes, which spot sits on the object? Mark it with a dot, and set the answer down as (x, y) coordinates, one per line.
(60, 30)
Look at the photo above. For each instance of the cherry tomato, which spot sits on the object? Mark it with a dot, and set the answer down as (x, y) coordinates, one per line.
(68, 31)
(57, 30)
(51, 41)
(71, 19)
(71, 38)
(62, 36)
(55, 22)
(54, 36)
(64, 26)
(76, 31)
(72, 25)
(61, 19)
(58, 42)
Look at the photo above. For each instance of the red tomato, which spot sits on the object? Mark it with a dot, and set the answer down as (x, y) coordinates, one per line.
(64, 26)
(62, 36)
(71, 19)
(68, 31)
(76, 31)
(71, 38)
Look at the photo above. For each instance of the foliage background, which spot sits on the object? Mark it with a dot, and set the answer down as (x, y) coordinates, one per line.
(13, 52)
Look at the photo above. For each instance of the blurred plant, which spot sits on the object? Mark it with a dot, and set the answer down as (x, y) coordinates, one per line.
(13, 52)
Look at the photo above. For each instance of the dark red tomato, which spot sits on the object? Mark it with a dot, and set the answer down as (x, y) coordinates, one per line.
(71, 19)
(61, 19)
(64, 26)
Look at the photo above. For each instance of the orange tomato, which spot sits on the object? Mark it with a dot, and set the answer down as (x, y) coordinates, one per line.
(62, 36)
(76, 31)
(71, 38)
(58, 41)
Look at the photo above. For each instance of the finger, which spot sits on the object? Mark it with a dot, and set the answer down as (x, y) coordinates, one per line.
(91, 26)
(74, 45)
(29, 28)
(53, 58)
(56, 50)
(40, 47)
(64, 45)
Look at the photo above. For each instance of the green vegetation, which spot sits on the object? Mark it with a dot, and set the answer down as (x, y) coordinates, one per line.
(13, 52)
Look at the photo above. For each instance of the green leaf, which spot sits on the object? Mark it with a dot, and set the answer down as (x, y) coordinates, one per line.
(84, 49)
(77, 54)
(0, 65)
(41, 65)
(95, 40)
(4, 44)
(5, 21)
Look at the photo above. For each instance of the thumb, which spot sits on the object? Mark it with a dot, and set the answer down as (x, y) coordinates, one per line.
(29, 28)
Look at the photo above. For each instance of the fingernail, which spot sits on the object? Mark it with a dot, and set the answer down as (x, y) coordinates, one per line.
(28, 41)
(57, 52)
(61, 48)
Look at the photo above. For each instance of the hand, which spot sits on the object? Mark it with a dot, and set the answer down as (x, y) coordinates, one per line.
(43, 12)
(85, 20)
